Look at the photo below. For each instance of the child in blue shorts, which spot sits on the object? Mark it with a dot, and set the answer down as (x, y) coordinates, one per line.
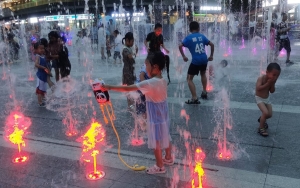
(196, 43)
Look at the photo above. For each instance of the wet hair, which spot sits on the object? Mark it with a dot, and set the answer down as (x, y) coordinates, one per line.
(128, 36)
(158, 25)
(157, 58)
(194, 26)
(44, 42)
(37, 44)
(53, 34)
(116, 32)
(283, 14)
(273, 66)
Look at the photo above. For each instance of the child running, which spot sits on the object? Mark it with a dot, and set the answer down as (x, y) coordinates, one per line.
(158, 122)
(266, 84)
(196, 43)
(42, 73)
(128, 77)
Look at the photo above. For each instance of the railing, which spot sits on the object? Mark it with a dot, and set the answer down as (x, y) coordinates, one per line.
(35, 4)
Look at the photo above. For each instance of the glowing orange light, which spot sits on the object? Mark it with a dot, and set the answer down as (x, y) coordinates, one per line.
(30, 78)
(137, 142)
(94, 136)
(198, 171)
(225, 155)
(15, 128)
(225, 55)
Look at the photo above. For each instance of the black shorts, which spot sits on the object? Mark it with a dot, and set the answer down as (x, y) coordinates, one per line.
(117, 55)
(195, 69)
(285, 43)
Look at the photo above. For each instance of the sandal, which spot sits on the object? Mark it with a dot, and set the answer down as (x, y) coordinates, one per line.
(156, 170)
(266, 125)
(204, 95)
(192, 101)
(168, 161)
(263, 132)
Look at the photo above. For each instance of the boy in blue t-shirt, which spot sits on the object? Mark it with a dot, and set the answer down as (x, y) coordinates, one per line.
(196, 43)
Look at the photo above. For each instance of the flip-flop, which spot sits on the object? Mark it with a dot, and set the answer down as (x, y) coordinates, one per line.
(192, 101)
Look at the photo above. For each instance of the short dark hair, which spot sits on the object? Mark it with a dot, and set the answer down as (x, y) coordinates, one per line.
(194, 26)
(273, 66)
(37, 44)
(157, 58)
(158, 25)
(53, 34)
(283, 14)
(44, 42)
(116, 32)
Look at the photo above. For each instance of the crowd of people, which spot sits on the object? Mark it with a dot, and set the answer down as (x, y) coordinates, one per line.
(150, 84)
(49, 54)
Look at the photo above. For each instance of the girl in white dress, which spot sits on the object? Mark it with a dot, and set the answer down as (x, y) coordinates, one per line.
(158, 121)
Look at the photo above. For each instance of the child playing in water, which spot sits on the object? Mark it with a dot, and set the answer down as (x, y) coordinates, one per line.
(44, 42)
(158, 122)
(128, 77)
(196, 43)
(42, 72)
(266, 84)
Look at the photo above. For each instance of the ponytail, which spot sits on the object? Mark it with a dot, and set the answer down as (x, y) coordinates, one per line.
(128, 36)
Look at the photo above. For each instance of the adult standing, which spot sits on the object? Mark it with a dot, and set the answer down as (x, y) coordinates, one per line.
(54, 48)
(156, 41)
(284, 41)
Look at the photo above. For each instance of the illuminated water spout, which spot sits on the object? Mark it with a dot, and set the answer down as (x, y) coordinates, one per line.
(91, 140)
(15, 128)
(197, 181)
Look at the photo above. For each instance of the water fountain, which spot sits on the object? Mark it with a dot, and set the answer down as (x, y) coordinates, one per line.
(29, 63)
(224, 124)
(16, 127)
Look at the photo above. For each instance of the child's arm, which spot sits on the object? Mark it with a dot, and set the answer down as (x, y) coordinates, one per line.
(142, 76)
(212, 50)
(163, 46)
(121, 88)
(182, 53)
(260, 86)
(272, 88)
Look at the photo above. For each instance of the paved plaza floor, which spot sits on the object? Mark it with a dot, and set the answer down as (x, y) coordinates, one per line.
(259, 162)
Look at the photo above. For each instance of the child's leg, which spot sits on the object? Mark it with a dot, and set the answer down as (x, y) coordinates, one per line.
(192, 86)
(266, 110)
(168, 152)
(40, 98)
(158, 155)
(203, 80)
